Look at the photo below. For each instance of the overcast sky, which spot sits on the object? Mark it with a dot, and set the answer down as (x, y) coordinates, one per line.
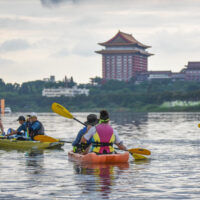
(39, 38)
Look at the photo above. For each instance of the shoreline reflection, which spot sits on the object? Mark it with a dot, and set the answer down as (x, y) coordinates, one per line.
(99, 177)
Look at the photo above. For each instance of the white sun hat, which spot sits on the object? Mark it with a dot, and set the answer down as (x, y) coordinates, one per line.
(33, 114)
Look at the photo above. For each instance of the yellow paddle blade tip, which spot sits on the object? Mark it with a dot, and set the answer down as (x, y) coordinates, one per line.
(138, 156)
(199, 125)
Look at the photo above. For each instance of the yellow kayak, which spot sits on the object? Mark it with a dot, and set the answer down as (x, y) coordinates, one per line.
(26, 145)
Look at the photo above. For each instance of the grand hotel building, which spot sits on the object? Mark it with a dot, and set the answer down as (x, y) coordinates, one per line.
(123, 57)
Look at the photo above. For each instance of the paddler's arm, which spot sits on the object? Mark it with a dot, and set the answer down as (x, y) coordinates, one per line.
(83, 140)
(13, 132)
(79, 136)
(88, 135)
(119, 142)
(121, 146)
(18, 131)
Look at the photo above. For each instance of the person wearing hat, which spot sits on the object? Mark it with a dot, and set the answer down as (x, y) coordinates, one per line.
(79, 147)
(36, 127)
(22, 128)
(103, 136)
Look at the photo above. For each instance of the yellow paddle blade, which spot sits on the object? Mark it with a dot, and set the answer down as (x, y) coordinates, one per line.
(45, 138)
(57, 108)
(199, 125)
(140, 151)
(138, 156)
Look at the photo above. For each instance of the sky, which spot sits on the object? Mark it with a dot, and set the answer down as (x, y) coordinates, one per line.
(40, 38)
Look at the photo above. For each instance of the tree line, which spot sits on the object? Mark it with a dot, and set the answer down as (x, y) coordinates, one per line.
(112, 95)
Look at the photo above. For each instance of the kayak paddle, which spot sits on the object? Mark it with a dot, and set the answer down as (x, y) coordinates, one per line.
(136, 153)
(45, 138)
(138, 156)
(140, 151)
(57, 108)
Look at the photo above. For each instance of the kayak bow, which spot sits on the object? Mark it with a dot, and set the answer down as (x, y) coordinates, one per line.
(26, 145)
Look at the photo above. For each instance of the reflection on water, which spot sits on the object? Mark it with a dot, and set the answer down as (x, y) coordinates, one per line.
(124, 118)
(172, 172)
(103, 176)
(34, 161)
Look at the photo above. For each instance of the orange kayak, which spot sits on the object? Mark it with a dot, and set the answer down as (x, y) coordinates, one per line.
(104, 158)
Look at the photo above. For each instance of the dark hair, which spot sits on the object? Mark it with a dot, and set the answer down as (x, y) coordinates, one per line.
(21, 118)
(91, 120)
(104, 116)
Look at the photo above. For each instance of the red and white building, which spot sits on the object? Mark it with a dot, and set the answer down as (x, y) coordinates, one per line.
(123, 57)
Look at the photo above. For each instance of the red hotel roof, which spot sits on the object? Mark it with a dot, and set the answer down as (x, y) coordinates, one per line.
(121, 39)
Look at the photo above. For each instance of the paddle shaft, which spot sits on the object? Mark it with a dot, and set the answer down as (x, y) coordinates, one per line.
(79, 121)
(65, 141)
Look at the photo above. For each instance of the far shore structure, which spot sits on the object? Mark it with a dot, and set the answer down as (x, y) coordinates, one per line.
(125, 58)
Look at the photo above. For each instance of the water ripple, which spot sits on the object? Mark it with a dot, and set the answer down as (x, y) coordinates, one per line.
(172, 172)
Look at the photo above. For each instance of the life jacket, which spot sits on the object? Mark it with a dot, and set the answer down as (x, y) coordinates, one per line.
(77, 145)
(80, 147)
(103, 139)
(39, 131)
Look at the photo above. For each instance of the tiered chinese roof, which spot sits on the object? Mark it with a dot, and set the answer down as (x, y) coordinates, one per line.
(123, 40)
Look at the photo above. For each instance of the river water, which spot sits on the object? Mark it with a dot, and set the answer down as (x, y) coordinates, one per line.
(171, 172)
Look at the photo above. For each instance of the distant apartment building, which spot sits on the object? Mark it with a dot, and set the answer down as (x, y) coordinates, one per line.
(192, 71)
(159, 75)
(67, 92)
(123, 57)
(178, 76)
(50, 79)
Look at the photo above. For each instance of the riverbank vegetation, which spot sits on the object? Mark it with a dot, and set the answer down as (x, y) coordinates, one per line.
(112, 95)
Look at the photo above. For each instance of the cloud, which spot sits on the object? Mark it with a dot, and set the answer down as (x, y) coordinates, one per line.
(14, 45)
(84, 48)
(62, 52)
(5, 61)
(52, 3)
(177, 42)
(67, 32)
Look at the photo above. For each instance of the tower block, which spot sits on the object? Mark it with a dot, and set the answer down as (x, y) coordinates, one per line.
(123, 57)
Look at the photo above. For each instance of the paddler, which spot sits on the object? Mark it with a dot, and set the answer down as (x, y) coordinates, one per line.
(20, 132)
(36, 127)
(79, 147)
(103, 136)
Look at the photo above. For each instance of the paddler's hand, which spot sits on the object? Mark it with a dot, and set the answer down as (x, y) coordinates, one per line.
(122, 147)
(88, 127)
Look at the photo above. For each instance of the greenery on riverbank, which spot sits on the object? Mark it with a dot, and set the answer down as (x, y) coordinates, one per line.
(113, 95)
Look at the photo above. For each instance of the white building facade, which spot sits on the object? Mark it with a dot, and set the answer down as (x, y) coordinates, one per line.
(67, 92)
